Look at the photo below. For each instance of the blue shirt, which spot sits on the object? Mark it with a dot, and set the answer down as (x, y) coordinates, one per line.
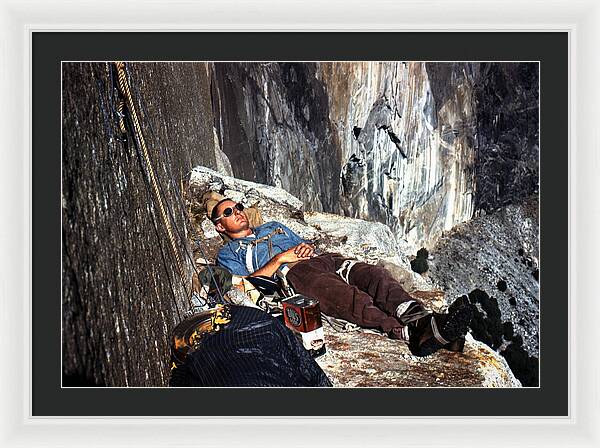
(243, 256)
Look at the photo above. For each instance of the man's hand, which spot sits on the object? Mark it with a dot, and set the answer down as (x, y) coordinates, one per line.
(300, 252)
(304, 250)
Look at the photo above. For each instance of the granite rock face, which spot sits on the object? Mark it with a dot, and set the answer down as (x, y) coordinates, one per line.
(122, 291)
(272, 122)
(399, 166)
(365, 359)
(507, 158)
(494, 259)
(417, 146)
(359, 358)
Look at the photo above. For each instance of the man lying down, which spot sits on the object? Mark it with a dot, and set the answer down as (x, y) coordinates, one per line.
(242, 346)
(358, 292)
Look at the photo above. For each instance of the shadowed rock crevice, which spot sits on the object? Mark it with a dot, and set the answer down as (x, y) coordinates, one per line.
(507, 168)
(505, 98)
(273, 120)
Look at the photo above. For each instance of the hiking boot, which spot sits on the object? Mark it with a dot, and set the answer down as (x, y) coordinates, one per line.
(436, 331)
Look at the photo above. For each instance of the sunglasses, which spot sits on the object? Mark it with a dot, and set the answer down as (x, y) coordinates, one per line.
(229, 211)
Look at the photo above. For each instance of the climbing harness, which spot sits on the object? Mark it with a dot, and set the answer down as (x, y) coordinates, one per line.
(251, 258)
(286, 288)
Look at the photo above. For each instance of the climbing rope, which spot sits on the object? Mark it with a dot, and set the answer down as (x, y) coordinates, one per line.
(126, 92)
(156, 187)
(179, 190)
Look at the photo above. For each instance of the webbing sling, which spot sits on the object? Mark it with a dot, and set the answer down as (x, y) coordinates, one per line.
(249, 265)
(251, 244)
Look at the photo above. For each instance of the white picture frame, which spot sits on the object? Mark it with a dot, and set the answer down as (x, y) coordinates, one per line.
(580, 18)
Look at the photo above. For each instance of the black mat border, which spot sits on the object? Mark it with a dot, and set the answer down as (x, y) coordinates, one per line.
(50, 48)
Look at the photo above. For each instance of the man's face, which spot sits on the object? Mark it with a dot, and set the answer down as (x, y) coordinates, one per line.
(236, 222)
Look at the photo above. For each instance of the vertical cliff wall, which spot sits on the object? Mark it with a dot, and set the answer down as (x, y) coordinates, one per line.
(273, 123)
(122, 291)
(507, 158)
(404, 162)
(418, 146)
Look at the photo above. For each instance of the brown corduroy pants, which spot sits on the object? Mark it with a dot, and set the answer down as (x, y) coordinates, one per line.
(369, 299)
